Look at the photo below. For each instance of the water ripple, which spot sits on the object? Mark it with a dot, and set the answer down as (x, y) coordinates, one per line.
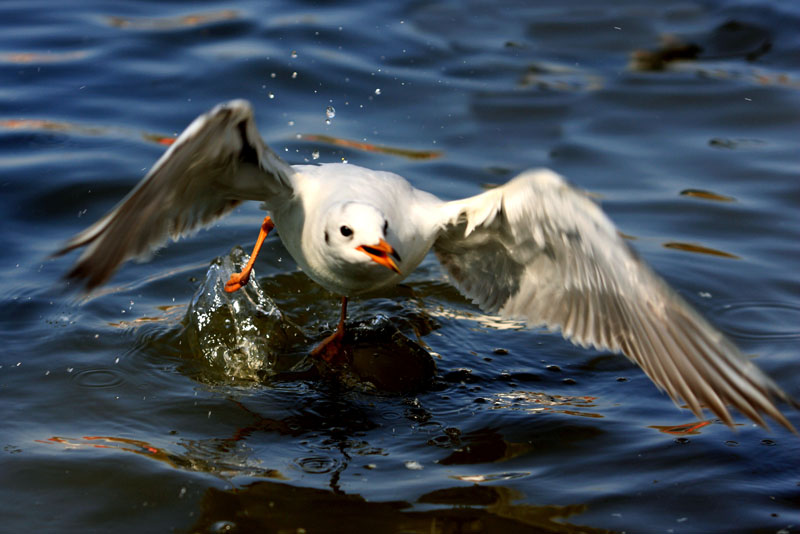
(761, 319)
(98, 378)
(316, 465)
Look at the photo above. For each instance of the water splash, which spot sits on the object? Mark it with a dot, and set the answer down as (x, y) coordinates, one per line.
(238, 333)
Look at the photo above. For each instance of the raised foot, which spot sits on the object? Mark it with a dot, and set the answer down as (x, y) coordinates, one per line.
(237, 281)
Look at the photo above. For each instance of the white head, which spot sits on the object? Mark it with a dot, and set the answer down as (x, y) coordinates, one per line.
(355, 238)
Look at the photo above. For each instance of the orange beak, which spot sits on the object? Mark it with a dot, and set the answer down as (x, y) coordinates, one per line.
(382, 253)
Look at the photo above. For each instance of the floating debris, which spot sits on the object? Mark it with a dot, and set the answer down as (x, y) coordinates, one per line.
(707, 195)
(561, 78)
(688, 247)
(42, 57)
(168, 23)
(369, 147)
(48, 125)
(721, 142)
(79, 129)
(672, 49)
(160, 139)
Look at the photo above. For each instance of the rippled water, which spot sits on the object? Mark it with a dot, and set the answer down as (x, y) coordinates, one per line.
(158, 405)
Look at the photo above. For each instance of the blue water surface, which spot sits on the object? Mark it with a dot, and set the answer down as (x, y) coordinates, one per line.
(120, 412)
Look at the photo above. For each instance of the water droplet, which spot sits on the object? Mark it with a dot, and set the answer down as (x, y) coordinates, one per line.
(330, 112)
(294, 54)
(315, 154)
(377, 91)
(222, 526)
(271, 96)
(294, 75)
(272, 75)
(413, 465)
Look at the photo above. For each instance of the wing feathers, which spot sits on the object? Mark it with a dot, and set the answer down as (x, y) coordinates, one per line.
(217, 162)
(538, 250)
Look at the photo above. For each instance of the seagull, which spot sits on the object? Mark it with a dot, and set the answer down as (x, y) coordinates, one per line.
(535, 249)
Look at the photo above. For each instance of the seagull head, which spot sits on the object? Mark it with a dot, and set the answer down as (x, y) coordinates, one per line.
(357, 234)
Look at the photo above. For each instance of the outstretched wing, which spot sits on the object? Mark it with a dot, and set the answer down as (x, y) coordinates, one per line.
(538, 250)
(217, 162)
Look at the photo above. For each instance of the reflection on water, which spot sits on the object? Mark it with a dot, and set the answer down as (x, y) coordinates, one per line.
(280, 507)
(221, 458)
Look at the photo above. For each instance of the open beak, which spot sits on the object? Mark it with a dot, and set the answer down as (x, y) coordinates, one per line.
(382, 253)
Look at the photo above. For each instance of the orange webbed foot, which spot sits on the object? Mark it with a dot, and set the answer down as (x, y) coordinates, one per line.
(237, 281)
(331, 349)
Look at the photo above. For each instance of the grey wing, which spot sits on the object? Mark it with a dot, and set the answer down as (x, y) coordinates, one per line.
(217, 162)
(538, 250)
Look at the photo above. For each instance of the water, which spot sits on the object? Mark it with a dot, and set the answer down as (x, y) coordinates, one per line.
(150, 407)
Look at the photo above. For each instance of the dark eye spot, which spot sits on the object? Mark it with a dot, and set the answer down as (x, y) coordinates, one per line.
(346, 231)
(385, 227)
(326, 236)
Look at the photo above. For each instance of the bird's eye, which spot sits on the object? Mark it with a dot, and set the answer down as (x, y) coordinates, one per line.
(346, 231)
(326, 236)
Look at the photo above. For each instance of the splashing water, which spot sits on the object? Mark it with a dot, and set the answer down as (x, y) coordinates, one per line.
(236, 333)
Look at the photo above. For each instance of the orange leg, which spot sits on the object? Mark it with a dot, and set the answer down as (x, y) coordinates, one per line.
(331, 345)
(237, 280)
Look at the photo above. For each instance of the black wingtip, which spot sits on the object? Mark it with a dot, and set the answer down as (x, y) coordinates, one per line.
(248, 154)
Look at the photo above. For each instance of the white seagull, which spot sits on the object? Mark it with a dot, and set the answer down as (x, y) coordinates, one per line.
(534, 249)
